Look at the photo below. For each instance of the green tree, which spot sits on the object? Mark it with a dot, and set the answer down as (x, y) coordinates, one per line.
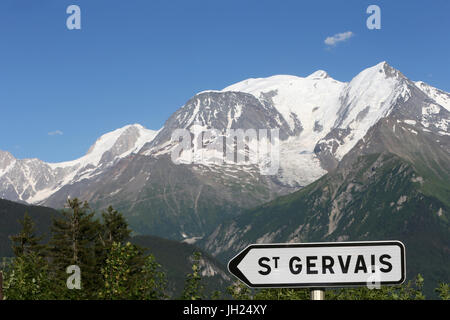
(363, 293)
(124, 279)
(409, 291)
(25, 281)
(193, 288)
(74, 242)
(116, 272)
(443, 291)
(240, 291)
(27, 277)
(27, 241)
(282, 294)
(114, 228)
(151, 282)
(413, 290)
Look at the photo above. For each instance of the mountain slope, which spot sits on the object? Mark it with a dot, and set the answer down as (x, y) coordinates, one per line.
(176, 261)
(381, 198)
(32, 180)
(174, 201)
(10, 214)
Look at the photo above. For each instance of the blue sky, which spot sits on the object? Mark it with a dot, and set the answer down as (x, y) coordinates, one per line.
(138, 61)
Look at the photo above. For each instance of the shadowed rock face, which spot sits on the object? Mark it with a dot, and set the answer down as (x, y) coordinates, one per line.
(326, 148)
(125, 142)
(223, 111)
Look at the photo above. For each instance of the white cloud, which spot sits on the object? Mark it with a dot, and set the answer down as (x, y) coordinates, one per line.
(339, 37)
(56, 133)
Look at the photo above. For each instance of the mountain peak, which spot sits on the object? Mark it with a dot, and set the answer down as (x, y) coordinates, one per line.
(121, 141)
(107, 140)
(383, 64)
(118, 143)
(6, 159)
(385, 70)
(319, 74)
(380, 73)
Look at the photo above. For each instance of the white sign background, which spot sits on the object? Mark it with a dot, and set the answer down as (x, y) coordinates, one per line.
(248, 267)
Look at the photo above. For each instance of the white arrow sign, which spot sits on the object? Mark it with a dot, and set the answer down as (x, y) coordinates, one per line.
(335, 264)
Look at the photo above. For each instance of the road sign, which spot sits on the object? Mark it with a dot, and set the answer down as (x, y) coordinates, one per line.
(318, 265)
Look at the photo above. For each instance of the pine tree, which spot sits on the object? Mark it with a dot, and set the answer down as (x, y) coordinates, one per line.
(116, 272)
(124, 279)
(114, 228)
(28, 279)
(443, 291)
(26, 241)
(150, 283)
(193, 288)
(75, 238)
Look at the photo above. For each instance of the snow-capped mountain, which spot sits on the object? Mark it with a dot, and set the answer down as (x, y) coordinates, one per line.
(440, 97)
(320, 120)
(32, 180)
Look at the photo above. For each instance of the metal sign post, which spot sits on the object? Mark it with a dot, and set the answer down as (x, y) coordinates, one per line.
(320, 265)
(317, 294)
